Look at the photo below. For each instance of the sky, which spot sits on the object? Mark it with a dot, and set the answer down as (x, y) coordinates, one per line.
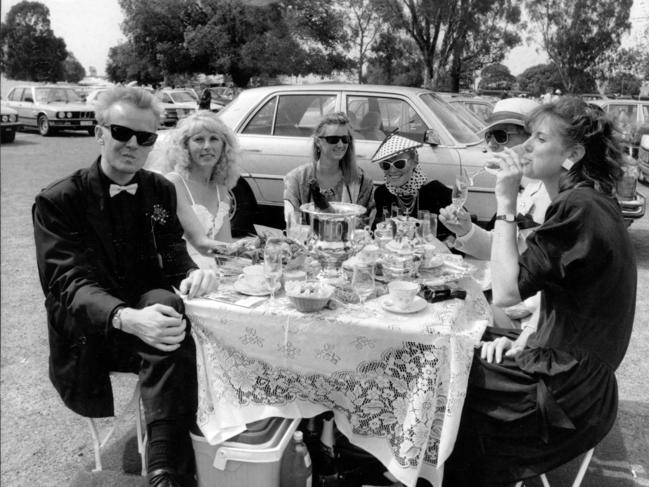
(91, 27)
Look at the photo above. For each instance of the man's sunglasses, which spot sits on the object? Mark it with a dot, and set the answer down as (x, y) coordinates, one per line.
(399, 164)
(500, 136)
(333, 139)
(124, 134)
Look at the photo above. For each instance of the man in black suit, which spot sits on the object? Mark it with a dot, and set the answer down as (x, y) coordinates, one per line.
(109, 249)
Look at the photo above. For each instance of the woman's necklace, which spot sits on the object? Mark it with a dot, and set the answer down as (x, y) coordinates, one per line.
(406, 203)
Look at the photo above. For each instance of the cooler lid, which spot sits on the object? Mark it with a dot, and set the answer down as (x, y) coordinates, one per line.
(259, 433)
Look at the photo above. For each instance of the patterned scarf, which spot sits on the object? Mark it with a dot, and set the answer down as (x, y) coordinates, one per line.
(416, 181)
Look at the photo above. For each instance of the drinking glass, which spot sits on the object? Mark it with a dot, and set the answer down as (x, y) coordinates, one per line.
(363, 282)
(383, 233)
(272, 267)
(460, 190)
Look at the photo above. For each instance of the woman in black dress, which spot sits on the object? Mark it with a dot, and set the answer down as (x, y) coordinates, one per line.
(405, 183)
(533, 406)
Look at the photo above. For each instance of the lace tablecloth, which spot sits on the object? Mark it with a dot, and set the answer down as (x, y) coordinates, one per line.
(395, 382)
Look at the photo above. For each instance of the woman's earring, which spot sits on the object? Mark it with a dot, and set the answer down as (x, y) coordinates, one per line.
(567, 164)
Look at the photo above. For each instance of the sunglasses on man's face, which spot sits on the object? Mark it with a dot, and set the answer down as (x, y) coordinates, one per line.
(124, 134)
(333, 139)
(399, 164)
(500, 136)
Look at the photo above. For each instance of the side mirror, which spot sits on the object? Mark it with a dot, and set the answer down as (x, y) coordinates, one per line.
(432, 137)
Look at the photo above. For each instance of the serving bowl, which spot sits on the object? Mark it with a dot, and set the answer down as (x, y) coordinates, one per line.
(308, 296)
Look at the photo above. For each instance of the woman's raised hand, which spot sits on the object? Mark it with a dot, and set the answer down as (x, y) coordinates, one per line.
(508, 178)
(457, 220)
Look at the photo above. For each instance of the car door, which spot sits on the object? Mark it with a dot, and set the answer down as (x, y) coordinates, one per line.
(24, 108)
(277, 137)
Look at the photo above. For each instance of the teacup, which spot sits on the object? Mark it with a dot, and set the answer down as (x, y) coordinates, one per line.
(253, 277)
(402, 293)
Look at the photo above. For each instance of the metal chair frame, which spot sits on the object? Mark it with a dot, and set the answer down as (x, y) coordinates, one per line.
(98, 442)
(583, 467)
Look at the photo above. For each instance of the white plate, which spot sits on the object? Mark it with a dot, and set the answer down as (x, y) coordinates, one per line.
(437, 262)
(241, 287)
(417, 304)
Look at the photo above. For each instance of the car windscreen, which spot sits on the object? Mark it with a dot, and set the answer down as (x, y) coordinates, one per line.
(457, 128)
(182, 97)
(57, 95)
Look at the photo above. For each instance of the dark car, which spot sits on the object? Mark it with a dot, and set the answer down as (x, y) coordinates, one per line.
(9, 123)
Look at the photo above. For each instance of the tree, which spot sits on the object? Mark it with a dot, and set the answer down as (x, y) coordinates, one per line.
(496, 77)
(30, 50)
(624, 83)
(450, 30)
(364, 26)
(394, 60)
(73, 71)
(577, 34)
(537, 80)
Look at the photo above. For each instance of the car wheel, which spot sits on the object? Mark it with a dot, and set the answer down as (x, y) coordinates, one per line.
(44, 127)
(8, 136)
(243, 210)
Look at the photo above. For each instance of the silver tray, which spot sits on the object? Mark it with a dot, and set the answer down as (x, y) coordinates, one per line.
(341, 210)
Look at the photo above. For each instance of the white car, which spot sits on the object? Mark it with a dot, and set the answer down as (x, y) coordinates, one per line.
(9, 124)
(177, 104)
(274, 125)
(49, 108)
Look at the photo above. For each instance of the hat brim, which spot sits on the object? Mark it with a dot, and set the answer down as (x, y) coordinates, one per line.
(394, 154)
(512, 121)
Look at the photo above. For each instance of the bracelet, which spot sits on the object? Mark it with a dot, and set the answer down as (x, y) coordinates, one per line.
(117, 319)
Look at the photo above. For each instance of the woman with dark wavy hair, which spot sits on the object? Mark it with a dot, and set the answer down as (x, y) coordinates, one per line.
(532, 406)
(333, 167)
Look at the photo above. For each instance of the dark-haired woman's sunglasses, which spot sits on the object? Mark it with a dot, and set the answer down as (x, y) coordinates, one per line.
(500, 136)
(124, 134)
(399, 164)
(333, 139)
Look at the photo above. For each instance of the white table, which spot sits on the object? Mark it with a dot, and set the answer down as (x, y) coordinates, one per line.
(395, 382)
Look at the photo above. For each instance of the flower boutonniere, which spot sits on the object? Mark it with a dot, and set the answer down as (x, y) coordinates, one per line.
(159, 216)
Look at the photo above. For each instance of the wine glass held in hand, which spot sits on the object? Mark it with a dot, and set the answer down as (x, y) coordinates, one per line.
(460, 191)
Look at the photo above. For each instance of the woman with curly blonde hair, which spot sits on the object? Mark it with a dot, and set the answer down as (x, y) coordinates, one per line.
(201, 157)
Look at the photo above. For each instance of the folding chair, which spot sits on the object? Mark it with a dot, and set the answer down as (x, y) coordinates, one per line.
(133, 405)
(580, 473)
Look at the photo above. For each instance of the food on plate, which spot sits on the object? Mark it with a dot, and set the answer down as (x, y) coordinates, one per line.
(309, 289)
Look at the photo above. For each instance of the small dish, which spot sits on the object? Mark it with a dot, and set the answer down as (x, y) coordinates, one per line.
(242, 288)
(417, 304)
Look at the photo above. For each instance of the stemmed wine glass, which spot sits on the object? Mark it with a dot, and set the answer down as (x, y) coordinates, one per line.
(460, 189)
(272, 267)
(363, 282)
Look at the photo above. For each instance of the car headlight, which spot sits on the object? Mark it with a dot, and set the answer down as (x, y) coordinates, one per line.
(68, 114)
(5, 118)
(60, 114)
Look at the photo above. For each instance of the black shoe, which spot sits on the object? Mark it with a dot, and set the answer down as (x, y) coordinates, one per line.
(163, 478)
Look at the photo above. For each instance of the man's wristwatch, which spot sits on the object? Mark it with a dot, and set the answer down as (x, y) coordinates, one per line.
(117, 319)
(507, 217)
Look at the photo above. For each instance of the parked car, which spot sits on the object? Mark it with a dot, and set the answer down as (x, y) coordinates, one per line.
(9, 123)
(480, 108)
(177, 104)
(274, 125)
(51, 108)
(643, 157)
(632, 118)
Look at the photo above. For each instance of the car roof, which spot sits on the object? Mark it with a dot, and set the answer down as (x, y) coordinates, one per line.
(341, 86)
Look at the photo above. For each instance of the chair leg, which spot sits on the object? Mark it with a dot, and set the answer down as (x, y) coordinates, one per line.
(544, 480)
(583, 468)
(95, 443)
(141, 434)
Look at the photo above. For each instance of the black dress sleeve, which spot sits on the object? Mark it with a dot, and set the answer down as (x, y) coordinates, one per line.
(566, 251)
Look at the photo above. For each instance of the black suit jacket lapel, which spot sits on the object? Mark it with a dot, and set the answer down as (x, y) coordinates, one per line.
(97, 212)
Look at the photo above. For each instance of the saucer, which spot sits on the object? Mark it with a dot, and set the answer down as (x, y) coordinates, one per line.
(435, 263)
(417, 304)
(242, 288)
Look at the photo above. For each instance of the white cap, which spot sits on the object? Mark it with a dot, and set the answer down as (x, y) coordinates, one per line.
(394, 145)
(511, 110)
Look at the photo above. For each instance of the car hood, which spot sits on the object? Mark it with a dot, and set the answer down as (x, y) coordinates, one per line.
(5, 110)
(66, 107)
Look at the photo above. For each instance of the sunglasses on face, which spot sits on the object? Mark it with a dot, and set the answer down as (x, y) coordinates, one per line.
(124, 134)
(398, 164)
(500, 136)
(333, 139)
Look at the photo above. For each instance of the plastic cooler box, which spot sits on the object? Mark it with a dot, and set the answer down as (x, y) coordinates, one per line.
(250, 459)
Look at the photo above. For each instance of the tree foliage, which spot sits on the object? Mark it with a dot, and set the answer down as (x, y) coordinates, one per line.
(454, 36)
(168, 37)
(394, 61)
(496, 77)
(540, 79)
(73, 71)
(577, 34)
(30, 51)
(364, 26)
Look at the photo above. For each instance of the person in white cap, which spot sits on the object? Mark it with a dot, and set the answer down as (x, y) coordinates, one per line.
(506, 129)
(405, 183)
